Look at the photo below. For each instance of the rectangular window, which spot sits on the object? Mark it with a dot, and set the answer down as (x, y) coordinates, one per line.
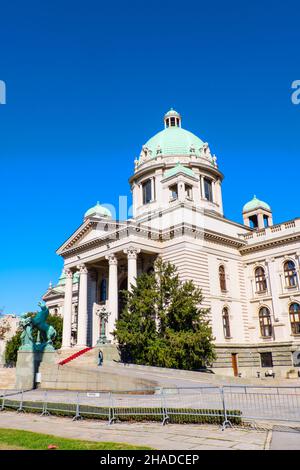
(174, 191)
(147, 193)
(266, 359)
(188, 191)
(208, 189)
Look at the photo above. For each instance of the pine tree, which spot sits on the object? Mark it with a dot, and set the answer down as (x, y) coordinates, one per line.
(163, 323)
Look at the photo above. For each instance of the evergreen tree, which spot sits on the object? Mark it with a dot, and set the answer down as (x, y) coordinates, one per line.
(163, 323)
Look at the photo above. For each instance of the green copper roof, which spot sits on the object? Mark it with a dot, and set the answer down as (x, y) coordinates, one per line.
(62, 279)
(178, 168)
(98, 211)
(174, 141)
(255, 204)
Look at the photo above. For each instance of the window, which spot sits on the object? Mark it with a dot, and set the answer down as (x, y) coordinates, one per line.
(188, 191)
(290, 274)
(174, 191)
(260, 279)
(266, 359)
(266, 221)
(147, 192)
(294, 312)
(226, 325)
(222, 278)
(253, 221)
(208, 189)
(265, 322)
(103, 290)
(173, 122)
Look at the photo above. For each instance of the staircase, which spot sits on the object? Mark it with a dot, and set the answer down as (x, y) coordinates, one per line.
(74, 356)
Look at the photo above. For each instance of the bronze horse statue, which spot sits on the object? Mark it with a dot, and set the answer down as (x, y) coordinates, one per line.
(48, 333)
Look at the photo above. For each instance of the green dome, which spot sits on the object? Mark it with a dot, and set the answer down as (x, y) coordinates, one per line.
(62, 279)
(256, 204)
(174, 141)
(98, 211)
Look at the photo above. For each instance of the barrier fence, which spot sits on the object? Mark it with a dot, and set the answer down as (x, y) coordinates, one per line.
(226, 405)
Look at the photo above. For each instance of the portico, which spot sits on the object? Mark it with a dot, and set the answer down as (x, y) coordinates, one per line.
(100, 281)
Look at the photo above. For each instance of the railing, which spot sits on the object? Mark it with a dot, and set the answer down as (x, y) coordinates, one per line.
(273, 229)
(226, 405)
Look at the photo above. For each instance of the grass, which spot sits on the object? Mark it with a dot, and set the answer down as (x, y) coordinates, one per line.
(12, 439)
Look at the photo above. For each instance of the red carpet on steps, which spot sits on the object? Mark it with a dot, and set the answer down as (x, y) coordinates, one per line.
(73, 356)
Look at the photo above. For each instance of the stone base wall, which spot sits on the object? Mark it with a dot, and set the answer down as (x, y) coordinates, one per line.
(249, 359)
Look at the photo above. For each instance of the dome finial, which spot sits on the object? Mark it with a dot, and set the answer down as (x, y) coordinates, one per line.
(172, 119)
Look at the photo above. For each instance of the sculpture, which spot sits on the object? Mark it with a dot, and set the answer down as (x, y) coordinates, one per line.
(46, 332)
(27, 341)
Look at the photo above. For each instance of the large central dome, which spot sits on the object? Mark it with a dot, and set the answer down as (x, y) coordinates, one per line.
(174, 140)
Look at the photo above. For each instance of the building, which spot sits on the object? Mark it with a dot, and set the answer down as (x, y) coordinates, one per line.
(8, 328)
(249, 273)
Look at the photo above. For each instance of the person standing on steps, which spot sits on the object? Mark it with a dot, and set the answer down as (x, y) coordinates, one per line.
(100, 358)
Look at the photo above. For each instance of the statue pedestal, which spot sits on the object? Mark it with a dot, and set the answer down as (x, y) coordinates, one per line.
(28, 363)
(26, 368)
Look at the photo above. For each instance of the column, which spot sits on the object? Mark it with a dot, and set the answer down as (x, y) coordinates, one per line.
(82, 307)
(132, 253)
(112, 294)
(67, 318)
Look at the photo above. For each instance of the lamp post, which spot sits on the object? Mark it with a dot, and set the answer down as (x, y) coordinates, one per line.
(103, 315)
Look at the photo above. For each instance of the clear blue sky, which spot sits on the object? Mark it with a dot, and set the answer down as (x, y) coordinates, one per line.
(88, 83)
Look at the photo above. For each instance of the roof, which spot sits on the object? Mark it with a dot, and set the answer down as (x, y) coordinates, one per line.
(256, 204)
(174, 141)
(178, 168)
(98, 211)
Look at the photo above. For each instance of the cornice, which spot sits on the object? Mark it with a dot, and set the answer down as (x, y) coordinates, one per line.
(268, 244)
(164, 165)
(160, 236)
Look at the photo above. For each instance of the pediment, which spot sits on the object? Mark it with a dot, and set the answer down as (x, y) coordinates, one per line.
(90, 230)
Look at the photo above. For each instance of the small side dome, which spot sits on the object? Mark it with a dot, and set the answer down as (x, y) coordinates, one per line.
(98, 211)
(62, 279)
(256, 204)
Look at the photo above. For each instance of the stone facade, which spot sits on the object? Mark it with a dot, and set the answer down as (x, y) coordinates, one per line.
(249, 273)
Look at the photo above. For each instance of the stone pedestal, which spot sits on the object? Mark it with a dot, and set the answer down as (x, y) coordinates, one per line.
(26, 368)
(28, 363)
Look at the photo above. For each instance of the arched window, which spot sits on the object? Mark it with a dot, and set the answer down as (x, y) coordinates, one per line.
(265, 322)
(290, 274)
(226, 324)
(294, 312)
(260, 279)
(222, 278)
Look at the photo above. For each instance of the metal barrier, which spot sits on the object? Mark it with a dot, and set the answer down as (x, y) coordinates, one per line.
(227, 405)
(260, 403)
(204, 401)
(101, 409)
(147, 405)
